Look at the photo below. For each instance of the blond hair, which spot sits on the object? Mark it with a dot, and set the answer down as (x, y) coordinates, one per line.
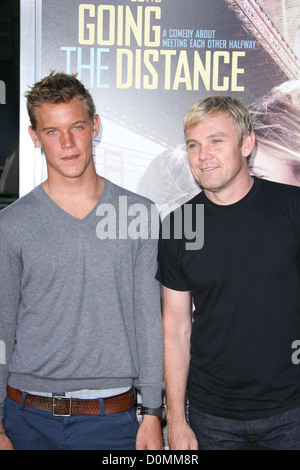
(209, 107)
(276, 121)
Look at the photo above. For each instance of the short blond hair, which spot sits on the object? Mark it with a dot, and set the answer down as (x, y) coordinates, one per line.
(213, 105)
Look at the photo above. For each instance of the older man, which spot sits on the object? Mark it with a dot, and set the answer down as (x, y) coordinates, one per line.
(233, 355)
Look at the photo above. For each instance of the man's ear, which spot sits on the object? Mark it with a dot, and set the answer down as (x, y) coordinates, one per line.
(34, 137)
(96, 125)
(248, 144)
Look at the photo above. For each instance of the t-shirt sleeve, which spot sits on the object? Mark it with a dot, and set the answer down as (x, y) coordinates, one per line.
(169, 271)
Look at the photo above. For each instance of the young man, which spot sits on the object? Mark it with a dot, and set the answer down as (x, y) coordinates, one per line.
(234, 353)
(80, 310)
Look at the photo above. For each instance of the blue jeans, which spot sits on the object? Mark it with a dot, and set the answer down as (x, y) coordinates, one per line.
(279, 432)
(33, 429)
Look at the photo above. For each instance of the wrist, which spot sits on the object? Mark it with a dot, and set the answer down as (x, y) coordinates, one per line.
(157, 412)
(176, 417)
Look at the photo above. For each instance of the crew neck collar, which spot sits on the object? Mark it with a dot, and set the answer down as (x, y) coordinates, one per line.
(249, 195)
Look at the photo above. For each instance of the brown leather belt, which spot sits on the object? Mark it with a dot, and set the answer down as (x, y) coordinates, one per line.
(66, 406)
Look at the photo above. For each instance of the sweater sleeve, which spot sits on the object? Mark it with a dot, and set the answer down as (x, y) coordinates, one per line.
(148, 323)
(10, 275)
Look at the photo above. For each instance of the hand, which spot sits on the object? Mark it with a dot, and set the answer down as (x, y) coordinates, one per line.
(181, 436)
(149, 436)
(5, 443)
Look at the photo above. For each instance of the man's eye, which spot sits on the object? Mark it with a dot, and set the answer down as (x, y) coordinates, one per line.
(192, 146)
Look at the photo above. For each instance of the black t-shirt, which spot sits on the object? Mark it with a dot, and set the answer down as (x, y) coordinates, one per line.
(245, 283)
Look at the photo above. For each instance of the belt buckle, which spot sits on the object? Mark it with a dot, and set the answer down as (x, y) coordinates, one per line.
(61, 398)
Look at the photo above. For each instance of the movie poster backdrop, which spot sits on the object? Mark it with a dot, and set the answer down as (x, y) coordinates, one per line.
(147, 61)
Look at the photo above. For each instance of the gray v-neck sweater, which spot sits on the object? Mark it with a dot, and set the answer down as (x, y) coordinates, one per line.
(78, 311)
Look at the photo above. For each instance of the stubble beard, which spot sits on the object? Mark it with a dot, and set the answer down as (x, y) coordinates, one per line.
(218, 186)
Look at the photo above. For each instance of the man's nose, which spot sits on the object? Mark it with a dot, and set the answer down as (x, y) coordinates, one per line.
(67, 139)
(204, 152)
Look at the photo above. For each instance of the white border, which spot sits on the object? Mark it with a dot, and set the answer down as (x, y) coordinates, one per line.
(31, 163)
